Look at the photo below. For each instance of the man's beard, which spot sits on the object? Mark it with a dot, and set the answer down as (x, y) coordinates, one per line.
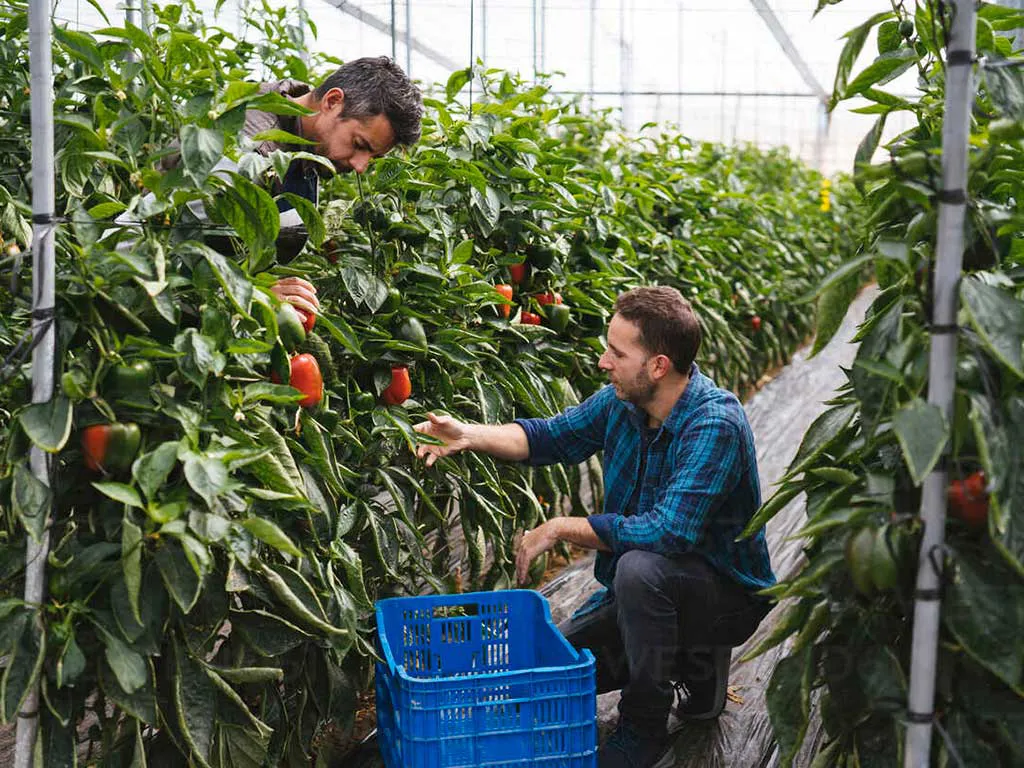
(640, 391)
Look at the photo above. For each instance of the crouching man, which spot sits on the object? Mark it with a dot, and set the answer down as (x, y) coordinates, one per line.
(681, 483)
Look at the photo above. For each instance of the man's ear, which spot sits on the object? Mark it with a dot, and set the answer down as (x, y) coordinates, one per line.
(333, 99)
(662, 365)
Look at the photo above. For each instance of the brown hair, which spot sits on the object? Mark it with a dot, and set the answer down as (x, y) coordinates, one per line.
(667, 323)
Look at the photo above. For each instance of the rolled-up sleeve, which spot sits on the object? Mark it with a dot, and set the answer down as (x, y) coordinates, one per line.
(573, 435)
(708, 468)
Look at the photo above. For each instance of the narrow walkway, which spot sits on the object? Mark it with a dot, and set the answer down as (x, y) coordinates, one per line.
(779, 413)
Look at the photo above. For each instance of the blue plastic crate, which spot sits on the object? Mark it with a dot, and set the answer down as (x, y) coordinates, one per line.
(482, 679)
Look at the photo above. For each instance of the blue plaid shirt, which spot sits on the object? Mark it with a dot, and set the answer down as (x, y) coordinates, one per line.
(700, 484)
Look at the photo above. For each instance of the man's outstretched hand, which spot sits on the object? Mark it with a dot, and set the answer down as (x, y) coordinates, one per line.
(454, 434)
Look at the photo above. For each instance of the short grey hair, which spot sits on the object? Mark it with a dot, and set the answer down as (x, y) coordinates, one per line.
(377, 86)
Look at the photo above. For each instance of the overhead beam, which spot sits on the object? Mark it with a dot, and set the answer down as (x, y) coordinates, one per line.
(782, 38)
(380, 25)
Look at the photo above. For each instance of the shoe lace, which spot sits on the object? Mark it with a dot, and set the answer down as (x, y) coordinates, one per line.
(682, 693)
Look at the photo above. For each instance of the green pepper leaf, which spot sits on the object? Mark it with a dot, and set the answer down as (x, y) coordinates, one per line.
(48, 425)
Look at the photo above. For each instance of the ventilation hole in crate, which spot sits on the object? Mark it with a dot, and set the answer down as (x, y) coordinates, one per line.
(415, 633)
(549, 712)
(549, 742)
(456, 720)
(494, 629)
(454, 611)
(497, 656)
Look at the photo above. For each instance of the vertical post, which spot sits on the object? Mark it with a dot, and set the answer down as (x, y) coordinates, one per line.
(679, 64)
(624, 65)
(483, 22)
(43, 275)
(941, 376)
(472, 60)
(533, 31)
(721, 88)
(394, 32)
(543, 35)
(408, 38)
(821, 136)
(132, 17)
(593, 47)
(304, 54)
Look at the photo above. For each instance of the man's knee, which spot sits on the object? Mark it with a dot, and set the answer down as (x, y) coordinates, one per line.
(638, 573)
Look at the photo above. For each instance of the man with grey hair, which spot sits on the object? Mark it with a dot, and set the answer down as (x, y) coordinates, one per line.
(360, 112)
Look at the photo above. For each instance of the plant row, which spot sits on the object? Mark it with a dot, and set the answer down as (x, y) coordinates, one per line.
(862, 463)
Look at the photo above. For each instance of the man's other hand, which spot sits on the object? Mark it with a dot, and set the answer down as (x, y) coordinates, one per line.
(298, 292)
(454, 433)
(533, 544)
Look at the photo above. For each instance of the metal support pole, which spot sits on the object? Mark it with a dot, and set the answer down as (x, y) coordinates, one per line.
(43, 273)
(374, 22)
(941, 377)
(679, 64)
(784, 41)
(593, 48)
(483, 22)
(472, 60)
(821, 136)
(408, 37)
(394, 32)
(304, 54)
(625, 64)
(533, 32)
(132, 17)
(543, 35)
(721, 85)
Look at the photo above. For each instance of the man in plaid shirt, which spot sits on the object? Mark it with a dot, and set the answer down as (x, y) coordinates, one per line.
(681, 483)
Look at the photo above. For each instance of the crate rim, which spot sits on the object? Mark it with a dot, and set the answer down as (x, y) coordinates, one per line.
(584, 657)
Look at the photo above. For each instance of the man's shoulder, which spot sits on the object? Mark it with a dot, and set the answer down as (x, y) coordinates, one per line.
(257, 120)
(715, 403)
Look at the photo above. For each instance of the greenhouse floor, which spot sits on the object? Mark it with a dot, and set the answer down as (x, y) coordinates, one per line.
(780, 413)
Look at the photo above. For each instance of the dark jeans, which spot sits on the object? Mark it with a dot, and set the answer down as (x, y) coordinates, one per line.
(666, 615)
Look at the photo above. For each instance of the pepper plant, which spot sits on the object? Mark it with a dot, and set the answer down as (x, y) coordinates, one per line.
(862, 462)
(222, 519)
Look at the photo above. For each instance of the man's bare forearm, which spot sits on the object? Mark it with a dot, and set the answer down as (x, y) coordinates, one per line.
(502, 441)
(578, 531)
